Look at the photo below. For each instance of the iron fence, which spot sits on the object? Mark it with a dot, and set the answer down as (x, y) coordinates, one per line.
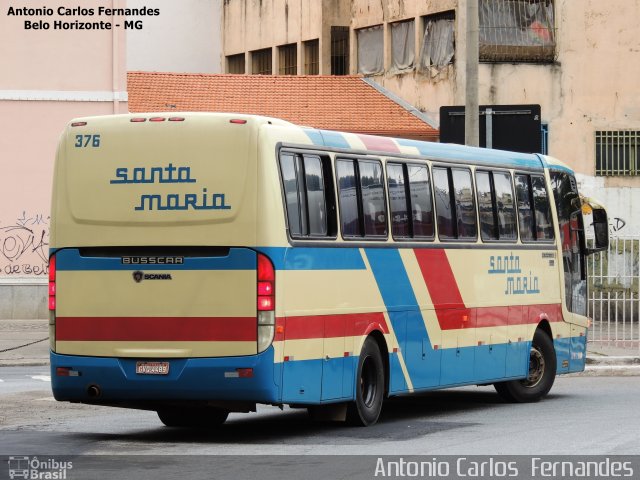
(613, 302)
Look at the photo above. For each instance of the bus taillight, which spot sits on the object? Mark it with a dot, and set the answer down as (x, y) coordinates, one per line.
(266, 289)
(52, 283)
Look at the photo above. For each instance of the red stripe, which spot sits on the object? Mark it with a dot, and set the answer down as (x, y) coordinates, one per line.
(332, 326)
(382, 144)
(176, 329)
(440, 280)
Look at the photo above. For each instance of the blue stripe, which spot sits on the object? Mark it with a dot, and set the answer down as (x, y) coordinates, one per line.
(327, 138)
(302, 258)
(446, 151)
(421, 360)
(238, 259)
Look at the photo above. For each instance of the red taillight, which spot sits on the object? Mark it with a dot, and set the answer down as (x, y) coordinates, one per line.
(52, 283)
(237, 121)
(245, 372)
(266, 284)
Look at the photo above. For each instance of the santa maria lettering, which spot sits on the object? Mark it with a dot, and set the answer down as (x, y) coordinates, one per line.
(517, 282)
(170, 174)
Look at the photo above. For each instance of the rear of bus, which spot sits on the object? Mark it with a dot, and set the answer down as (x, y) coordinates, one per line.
(157, 295)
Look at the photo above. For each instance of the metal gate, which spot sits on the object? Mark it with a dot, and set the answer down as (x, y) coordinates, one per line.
(614, 303)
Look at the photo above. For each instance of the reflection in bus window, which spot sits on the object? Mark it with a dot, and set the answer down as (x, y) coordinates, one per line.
(544, 226)
(421, 205)
(444, 212)
(465, 204)
(525, 214)
(317, 211)
(348, 194)
(397, 201)
(485, 207)
(505, 206)
(287, 166)
(373, 205)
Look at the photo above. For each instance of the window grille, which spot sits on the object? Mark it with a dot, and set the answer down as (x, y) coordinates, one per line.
(261, 62)
(235, 63)
(312, 57)
(288, 59)
(617, 152)
(516, 30)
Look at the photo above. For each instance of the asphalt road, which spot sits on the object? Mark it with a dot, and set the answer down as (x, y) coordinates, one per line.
(580, 416)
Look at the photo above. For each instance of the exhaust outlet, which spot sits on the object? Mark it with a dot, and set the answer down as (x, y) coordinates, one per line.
(94, 391)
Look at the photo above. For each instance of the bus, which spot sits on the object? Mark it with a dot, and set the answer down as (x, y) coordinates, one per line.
(205, 263)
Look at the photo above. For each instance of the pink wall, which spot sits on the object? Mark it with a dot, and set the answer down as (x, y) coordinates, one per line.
(45, 64)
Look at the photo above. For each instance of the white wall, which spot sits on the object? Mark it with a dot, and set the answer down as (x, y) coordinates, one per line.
(185, 37)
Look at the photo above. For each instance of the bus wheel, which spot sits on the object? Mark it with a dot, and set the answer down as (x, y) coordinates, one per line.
(542, 373)
(369, 386)
(192, 418)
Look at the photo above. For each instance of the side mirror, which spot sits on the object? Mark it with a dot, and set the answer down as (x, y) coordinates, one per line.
(600, 230)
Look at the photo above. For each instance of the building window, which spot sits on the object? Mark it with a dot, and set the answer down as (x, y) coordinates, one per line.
(516, 30)
(617, 152)
(288, 59)
(403, 45)
(261, 62)
(235, 63)
(438, 47)
(339, 50)
(370, 50)
(312, 57)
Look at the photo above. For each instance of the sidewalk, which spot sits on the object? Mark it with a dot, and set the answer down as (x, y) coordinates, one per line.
(601, 359)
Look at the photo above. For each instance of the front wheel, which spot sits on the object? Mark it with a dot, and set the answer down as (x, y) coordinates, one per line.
(192, 417)
(542, 373)
(369, 386)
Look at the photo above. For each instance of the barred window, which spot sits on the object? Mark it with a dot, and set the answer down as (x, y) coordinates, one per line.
(617, 152)
(235, 63)
(339, 50)
(288, 59)
(516, 30)
(261, 62)
(311, 57)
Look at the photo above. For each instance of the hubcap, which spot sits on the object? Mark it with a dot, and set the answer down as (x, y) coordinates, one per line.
(536, 368)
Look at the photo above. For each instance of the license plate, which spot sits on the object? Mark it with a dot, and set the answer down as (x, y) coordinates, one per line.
(152, 368)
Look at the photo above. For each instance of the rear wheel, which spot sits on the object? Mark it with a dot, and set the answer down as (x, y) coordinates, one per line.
(542, 373)
(192, 418)
(369, 386)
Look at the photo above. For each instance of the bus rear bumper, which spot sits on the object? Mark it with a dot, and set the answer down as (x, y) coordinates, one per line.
(114, 380)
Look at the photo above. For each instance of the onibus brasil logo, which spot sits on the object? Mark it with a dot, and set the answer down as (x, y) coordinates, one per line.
(38, 469)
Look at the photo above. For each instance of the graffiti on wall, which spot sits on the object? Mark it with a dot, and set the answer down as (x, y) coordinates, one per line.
(24, 245)
(616, 224)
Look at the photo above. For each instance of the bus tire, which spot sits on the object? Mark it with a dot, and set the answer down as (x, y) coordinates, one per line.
(542, 373)
(365, 410)
(192, 417)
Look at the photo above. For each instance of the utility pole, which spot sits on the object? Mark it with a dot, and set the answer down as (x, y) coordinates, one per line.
(471, 109)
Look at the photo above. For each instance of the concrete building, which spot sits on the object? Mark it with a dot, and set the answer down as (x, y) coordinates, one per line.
(185, 37)
(579, 60)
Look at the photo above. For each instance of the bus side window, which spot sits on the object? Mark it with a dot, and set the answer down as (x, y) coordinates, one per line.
(310, 212)
(544, 226)
(505, 206)
(421, 203)
(488, 227)
(348, 198)
(465, 204)
(373, 201)
(525, 211)
(444, 212)
(398, 201)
